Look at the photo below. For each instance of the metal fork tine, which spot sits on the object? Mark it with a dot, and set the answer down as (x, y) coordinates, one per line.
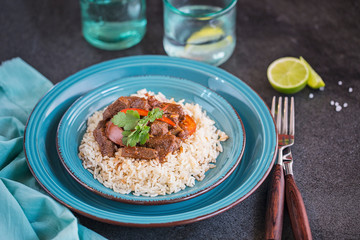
(292, 117)
(273, 107)
(285, 117)
(278, 117)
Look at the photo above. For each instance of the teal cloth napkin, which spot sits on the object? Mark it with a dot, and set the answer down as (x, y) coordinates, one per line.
(26, 211)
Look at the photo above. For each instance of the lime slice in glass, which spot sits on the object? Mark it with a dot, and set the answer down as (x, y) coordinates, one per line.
(206, 34)
(208, 48)
(315, 81)
(288, 75)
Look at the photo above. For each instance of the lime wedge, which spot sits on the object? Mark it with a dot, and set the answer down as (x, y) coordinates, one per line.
(288, 75)
(315, 81)
(206, 34)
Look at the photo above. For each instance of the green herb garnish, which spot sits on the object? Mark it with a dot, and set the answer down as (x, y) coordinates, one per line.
(135, 129)
(127, 120)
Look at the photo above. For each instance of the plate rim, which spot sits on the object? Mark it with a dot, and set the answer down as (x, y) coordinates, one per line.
(82, 74)
(150, 201)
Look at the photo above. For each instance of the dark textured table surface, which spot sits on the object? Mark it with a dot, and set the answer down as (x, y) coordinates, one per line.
(47, 35)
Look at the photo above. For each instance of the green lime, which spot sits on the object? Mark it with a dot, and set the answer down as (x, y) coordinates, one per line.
(205, 34)
(288, 75)
(208, 48)
(207, 41)
(315, 80)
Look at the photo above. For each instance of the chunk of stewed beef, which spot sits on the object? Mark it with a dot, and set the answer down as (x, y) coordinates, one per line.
(174, 117)
(183, 134)
(153, 102)
(173, 109)
(164, 144)
(158, 128)
(138, 102)
(139, 153)
(107, 147)
(123, 103)
(176, 130)
(118, 105)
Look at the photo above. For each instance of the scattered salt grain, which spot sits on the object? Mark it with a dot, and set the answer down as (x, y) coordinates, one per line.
(340, 83)
(338, 108)
(332, 103)
(345, 105)
(350, 89)
(336, 104)
(322, 88)
(311, 95)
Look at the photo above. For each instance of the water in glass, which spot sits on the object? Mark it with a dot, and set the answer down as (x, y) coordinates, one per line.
(113, 24)
(207, 39)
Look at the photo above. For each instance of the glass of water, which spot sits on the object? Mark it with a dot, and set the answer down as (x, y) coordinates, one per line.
(113, 24)
(202, 30)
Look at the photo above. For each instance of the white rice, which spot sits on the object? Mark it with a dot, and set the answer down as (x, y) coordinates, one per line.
(150, 177)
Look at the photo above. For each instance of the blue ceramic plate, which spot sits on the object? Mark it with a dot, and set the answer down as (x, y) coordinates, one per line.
(43, 160)
(73, 126)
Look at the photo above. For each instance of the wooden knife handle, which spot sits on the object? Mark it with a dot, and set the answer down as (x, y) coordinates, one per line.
(299, 219)
(275, 204)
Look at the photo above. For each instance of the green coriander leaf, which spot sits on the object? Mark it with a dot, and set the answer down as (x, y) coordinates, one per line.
(124, 140)
(133, 140)
(159, 113)
(146, 129)
(143, 137)
(142, 122)
(132, 118)
(134, 132)
(132, 113)
(119, 119)
(131, 121)
(126, 133)
(127, 120)
(155, 114)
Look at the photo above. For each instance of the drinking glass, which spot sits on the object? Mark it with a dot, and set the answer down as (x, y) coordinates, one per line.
(113, 24)
(200, 29)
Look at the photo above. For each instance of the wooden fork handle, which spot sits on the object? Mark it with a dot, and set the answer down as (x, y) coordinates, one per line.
(299, 219)
(275, 204)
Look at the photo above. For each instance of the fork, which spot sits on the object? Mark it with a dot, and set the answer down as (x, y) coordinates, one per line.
(275, 201)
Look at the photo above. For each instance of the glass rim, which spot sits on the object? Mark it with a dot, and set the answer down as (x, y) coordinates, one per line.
(213, 14)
